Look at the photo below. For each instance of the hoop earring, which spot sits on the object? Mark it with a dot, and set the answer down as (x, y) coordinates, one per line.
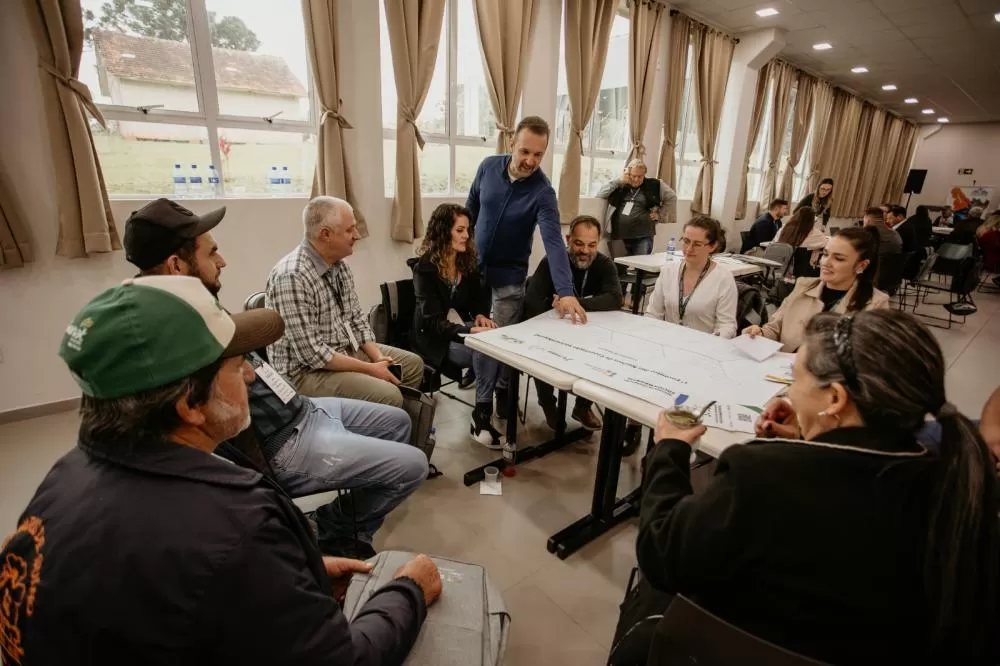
(823, 414)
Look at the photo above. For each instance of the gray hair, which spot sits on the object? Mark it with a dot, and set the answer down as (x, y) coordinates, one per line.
(636, 163)
(323, 211)
(136, 420)
(976, 211)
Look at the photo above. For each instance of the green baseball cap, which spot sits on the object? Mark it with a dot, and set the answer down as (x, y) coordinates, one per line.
(153, 331)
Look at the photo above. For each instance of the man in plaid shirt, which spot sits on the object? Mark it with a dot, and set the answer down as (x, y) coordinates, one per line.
(328, 348)
(297, 436)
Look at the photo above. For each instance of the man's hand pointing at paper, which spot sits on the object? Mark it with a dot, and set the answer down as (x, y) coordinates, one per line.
(569, 306)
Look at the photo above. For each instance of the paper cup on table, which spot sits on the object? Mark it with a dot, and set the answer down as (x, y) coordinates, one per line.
(490, 474)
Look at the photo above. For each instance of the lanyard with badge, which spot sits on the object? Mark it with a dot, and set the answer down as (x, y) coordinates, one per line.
(682, 302)
(627, 208)
(272, 378)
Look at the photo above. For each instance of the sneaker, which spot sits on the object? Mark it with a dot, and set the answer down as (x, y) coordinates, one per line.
(633, 438)
(551, 412)
(467, 380)
(483, 431)
(587, 418)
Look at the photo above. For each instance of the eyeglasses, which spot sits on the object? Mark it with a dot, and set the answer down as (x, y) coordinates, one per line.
(687, 242)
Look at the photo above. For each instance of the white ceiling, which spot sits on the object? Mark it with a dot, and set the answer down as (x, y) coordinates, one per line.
(946, 53)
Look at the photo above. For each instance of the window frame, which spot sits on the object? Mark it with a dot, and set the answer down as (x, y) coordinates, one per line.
(450, 138)
(203, 65)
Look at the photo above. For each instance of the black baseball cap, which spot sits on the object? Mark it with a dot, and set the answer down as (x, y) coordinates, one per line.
(160, 228)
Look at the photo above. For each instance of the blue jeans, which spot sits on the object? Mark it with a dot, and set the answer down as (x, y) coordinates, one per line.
(345, 444)
(490, 373)
(635, 246)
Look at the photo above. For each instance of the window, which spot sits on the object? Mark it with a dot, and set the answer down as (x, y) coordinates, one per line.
(686, 151)
(758, 158)
(606, 138)
(209, 85)
(457, 120)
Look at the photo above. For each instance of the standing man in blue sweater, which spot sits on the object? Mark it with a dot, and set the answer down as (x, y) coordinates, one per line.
(508, 198)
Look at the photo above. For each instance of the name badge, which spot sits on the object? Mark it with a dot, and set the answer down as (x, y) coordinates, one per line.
(354, 341)
(275, 382)
(627, 209)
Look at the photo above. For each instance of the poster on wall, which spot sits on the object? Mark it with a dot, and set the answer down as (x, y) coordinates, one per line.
(962, 198)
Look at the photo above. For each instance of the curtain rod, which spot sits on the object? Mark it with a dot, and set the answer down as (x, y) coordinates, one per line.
(735, 40)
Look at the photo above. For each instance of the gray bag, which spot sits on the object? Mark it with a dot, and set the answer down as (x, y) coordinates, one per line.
(421, 408)
(467, 626)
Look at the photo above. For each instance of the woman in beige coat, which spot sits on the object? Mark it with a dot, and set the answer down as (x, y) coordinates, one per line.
(846, 283)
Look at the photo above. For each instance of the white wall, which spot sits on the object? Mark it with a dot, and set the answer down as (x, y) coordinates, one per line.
(944, 149)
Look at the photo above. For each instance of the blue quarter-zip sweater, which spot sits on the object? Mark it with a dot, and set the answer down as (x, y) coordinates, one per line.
(504, 215)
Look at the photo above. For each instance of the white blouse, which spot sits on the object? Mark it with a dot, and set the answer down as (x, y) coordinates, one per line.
(712, 308)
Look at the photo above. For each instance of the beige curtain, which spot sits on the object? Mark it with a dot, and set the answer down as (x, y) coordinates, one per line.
(333, 174)
(782, 75)
(902, 157)
(870, 158)
(676, 70)
(847, 116)
(890, 145)
(643, 49)
(756, 122)
(414, 35)
(822, 106)
(713, 52)
(85, 221)
(15, 250)
(801, 117)
(505, 33)
(587, 32)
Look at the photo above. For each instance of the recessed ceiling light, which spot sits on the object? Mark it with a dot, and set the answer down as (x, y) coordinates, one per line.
(823, 46)
(889, 86)
(860, 70)
(910, 100)
(130, 56)
(767, 11)
(927, 112)
(996, 17)
(943, 120)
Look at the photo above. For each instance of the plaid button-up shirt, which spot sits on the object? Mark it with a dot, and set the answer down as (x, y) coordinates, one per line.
(322, 313)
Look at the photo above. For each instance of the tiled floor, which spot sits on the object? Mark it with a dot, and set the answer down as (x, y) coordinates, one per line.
(564, 612)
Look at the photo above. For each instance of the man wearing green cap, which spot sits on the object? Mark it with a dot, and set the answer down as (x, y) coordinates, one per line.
(313, 445)
(142, 546)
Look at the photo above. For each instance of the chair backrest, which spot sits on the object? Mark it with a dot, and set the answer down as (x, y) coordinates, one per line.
(890, 271)
(688, 634)
(400, 302)
(780, 252)
(743, 239)
(254, 301)
(750, 301)
(954, 251)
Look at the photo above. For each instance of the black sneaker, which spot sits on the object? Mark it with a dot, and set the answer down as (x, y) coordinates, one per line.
(551, 412)
(482, 429)
(467, 380)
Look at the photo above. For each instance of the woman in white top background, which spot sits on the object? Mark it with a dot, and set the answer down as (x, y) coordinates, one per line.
(697, 292)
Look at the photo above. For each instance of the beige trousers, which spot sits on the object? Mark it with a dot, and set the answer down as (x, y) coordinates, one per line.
(359, 386)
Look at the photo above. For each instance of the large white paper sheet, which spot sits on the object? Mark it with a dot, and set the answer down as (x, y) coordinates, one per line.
(660, 363)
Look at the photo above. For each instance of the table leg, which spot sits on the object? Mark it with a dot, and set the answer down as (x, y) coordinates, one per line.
(561, 439)
(606, 510)
(637, 290)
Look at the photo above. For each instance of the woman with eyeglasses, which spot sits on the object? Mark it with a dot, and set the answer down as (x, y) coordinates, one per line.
(835, 534)
(697, 292)
(846, 283)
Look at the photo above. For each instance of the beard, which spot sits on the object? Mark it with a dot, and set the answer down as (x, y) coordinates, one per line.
(581, 264)
(213, 287)
(227, 418)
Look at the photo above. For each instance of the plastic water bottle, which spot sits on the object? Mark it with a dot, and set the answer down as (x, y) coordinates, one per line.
(274, 181)
(214, 186)
(180, 181)
(671, 248)
(196, 184)
(286, 180)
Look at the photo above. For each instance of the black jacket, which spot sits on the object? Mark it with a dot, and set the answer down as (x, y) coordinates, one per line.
(650, 189)
(816, 546)
(908, 233)
(823, 214)
(764, 229)
(923, 229)
(174, 556)
(598, 288)
(432, 332)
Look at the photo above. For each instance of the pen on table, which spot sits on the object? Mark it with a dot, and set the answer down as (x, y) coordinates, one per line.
(778, 380)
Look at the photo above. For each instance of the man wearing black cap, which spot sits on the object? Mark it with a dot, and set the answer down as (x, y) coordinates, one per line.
(141, 546)
(298, 436)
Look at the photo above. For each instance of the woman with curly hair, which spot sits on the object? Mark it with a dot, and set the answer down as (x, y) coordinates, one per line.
(451, 299)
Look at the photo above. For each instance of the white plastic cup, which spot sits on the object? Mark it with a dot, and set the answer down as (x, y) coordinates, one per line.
(490, 474)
